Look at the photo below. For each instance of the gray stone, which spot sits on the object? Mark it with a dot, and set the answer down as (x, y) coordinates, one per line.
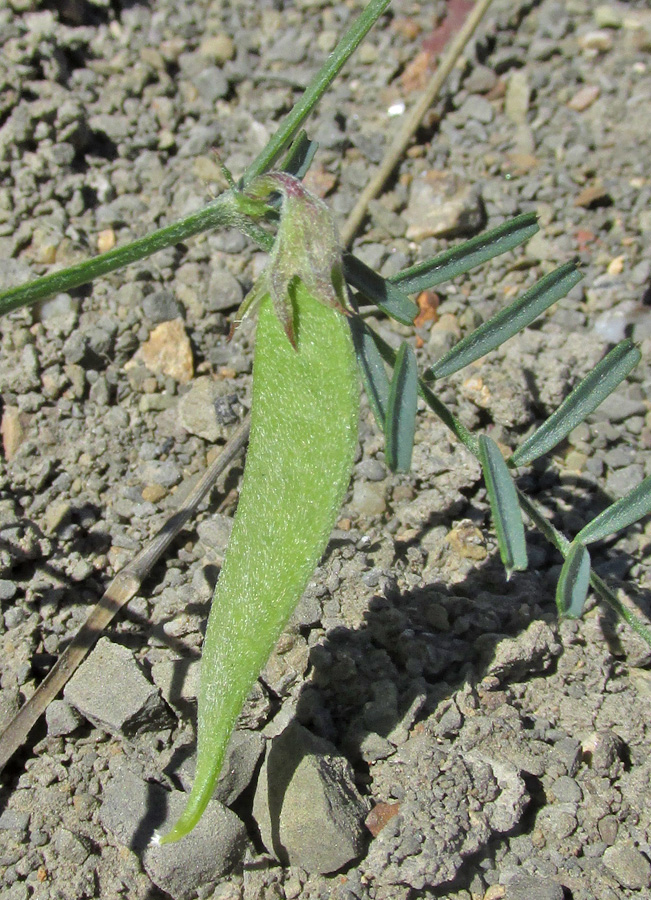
(8, 589)
(17, 891)
(630, 867)
(178, 681)
(607, 16)
(568, 751)
(442, 206)
(198, 409)
(240, 762)
(381, 713)
(518, 93)
(89, 349)
(134, 810)
(528, 887)
(534, 649)
(16, 822)
(608, 829)
(373, 747)
(371, 470)
(566, 790)
(200, 140)
(161, 306)
(329, 133)
(242, 757)
(478, 108)
(557, 821)
(61, 718)
(286, 665)
(71, 846)
(306, 804)
(165, 473)
(507, 808)
(618, 407)
(100, 392)
(289, 47)
(257, 708)
(480, 80)
(369, 498)
(110, 690)
(224, 291)
(211, 83)
(621, 481)
(644, 220)
(214, 534)
(59, 313)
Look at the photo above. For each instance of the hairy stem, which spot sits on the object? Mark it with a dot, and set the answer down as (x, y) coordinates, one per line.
(224, 211)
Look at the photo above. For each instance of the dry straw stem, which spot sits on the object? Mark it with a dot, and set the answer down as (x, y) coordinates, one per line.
(121, 589)
(412, 122)
(127, 582)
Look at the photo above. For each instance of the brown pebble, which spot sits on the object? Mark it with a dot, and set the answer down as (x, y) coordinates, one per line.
(592, 195)
(153, 492)
(380, 815)
(467, 541)
(598, 41)
(320, 181)
(428, 302)
(495, 892)
(616, 265)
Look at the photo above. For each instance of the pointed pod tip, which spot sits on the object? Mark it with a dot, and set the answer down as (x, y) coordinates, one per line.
(179, 830)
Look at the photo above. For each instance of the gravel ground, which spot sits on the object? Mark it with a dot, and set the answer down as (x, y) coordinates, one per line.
(425, 729)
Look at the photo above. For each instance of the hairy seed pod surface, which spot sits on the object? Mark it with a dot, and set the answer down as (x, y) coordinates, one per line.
(304, 423)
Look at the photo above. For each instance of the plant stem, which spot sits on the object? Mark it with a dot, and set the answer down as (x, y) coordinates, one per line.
(315, 90)
(221, 212)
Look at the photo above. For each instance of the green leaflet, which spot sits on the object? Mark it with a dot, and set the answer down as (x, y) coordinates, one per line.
(573, 582)
(503, 499)
(401, 411)
(304, 420)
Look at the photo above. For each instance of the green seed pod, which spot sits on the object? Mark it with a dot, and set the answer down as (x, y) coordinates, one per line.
(304, 419)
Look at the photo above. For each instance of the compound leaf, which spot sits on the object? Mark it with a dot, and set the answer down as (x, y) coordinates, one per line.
(391, 299)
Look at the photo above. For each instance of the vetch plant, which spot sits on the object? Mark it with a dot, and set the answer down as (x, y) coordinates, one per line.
(312, 345)
(304, 413)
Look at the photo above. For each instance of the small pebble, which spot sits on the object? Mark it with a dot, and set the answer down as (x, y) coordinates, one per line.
(584, 97)
(518, 93)
(600, 41)
(168, 351)
(607, 16)
(630, 867)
